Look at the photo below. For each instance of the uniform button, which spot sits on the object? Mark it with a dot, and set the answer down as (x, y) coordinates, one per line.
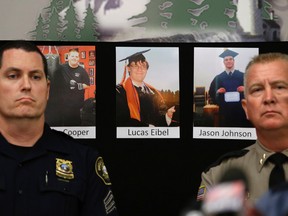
(20, 191)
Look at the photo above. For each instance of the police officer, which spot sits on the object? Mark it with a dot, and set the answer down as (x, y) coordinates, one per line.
(43, 172)
(266, 106)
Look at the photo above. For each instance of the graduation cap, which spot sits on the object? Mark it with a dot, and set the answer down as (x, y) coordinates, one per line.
(138, 56)
(228, 52)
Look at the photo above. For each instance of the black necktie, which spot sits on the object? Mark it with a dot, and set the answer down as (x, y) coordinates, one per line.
(140, 91)
(230, 73)
(277, 175)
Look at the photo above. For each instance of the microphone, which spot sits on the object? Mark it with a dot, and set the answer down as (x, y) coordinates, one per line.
(227, 197)
(235, 174)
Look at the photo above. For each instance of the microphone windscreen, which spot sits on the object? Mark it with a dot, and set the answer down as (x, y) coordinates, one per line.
(235, 174)
(225, 199)
(228, 196)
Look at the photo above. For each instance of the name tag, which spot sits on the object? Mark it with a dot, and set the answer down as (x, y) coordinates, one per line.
(232, 97)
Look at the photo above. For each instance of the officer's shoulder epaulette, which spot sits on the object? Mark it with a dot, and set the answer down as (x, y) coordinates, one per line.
(233, 154)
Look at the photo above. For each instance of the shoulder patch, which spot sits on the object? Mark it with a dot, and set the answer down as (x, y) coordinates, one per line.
(201, 193)
(234, 154)
(101, 171)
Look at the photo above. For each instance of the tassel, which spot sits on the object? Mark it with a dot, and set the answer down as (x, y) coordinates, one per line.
(124, 75)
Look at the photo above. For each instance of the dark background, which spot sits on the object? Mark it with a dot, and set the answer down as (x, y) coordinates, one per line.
(156, 176)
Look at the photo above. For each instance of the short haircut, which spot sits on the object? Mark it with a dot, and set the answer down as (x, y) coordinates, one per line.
(262, 59)
(74, 50)
(26, 46)
(139, 58)
(266, 58)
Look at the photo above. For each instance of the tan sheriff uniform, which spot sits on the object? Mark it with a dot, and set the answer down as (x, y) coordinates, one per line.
(252, 160)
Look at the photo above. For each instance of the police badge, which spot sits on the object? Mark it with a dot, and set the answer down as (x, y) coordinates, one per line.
(64, 168)
(101, 171)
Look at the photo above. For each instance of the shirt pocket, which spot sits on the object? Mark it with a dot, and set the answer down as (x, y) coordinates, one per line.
(60, 196)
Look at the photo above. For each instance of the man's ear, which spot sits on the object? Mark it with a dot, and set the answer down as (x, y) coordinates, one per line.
(48, 87)
(244, 106)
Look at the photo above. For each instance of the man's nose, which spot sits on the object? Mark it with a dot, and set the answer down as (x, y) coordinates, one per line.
(26, 83)
(269, 96)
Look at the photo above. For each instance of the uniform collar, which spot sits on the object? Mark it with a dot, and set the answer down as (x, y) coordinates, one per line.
(51, 140)
(47, 142)
(263, 154)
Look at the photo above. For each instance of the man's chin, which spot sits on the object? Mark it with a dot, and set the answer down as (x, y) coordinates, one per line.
(270, 126)
(27, 116)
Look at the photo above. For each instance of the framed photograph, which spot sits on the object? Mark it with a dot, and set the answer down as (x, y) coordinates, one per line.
(91, 62)
(91, 80)
(91, 71)
(164, 62)
(83, 54)
(92, 54)
(215, 112)
(57, 95)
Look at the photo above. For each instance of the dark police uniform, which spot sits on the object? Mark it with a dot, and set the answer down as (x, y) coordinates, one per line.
(252, 160)
(57, 176)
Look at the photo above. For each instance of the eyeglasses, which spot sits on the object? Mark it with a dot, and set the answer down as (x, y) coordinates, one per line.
(142, 65)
